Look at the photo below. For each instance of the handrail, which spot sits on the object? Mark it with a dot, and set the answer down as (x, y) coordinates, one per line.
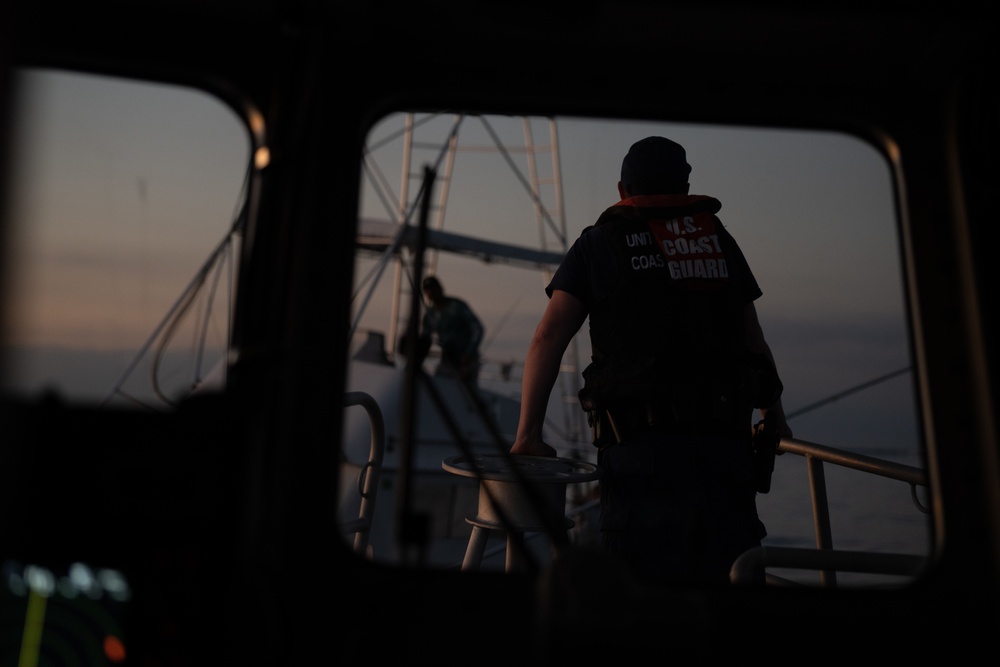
(368, 478)
(753, 560)
(824, 558)
(862, 462)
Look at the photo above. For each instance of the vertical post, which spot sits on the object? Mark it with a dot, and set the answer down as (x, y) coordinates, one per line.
(821, 514)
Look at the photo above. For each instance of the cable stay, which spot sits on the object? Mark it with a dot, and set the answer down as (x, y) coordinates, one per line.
(847, 392)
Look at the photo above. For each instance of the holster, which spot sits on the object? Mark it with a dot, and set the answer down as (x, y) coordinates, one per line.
(765, 446)
(602, 429)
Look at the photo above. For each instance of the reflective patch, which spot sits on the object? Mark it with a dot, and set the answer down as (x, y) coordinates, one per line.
(691, 248)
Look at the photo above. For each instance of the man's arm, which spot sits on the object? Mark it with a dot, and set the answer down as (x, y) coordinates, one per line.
(757, 344)
(563, 317)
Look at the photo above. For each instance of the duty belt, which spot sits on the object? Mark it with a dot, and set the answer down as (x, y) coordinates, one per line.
(625, 420)
(662, 418)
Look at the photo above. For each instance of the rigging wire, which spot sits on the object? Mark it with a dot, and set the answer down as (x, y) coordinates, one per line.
(500, 324)
(524, 182)
(219, 270)
(847, 392)
(183, 303)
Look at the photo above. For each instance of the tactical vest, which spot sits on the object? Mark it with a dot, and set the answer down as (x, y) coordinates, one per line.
(670, 337)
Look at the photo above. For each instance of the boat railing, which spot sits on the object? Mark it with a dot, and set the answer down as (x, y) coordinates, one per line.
(824, 558)
(368, 478)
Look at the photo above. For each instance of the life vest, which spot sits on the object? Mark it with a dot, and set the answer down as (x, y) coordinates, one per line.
(671, 332)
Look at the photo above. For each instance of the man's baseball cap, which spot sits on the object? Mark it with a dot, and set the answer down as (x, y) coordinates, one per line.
(655, 159)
